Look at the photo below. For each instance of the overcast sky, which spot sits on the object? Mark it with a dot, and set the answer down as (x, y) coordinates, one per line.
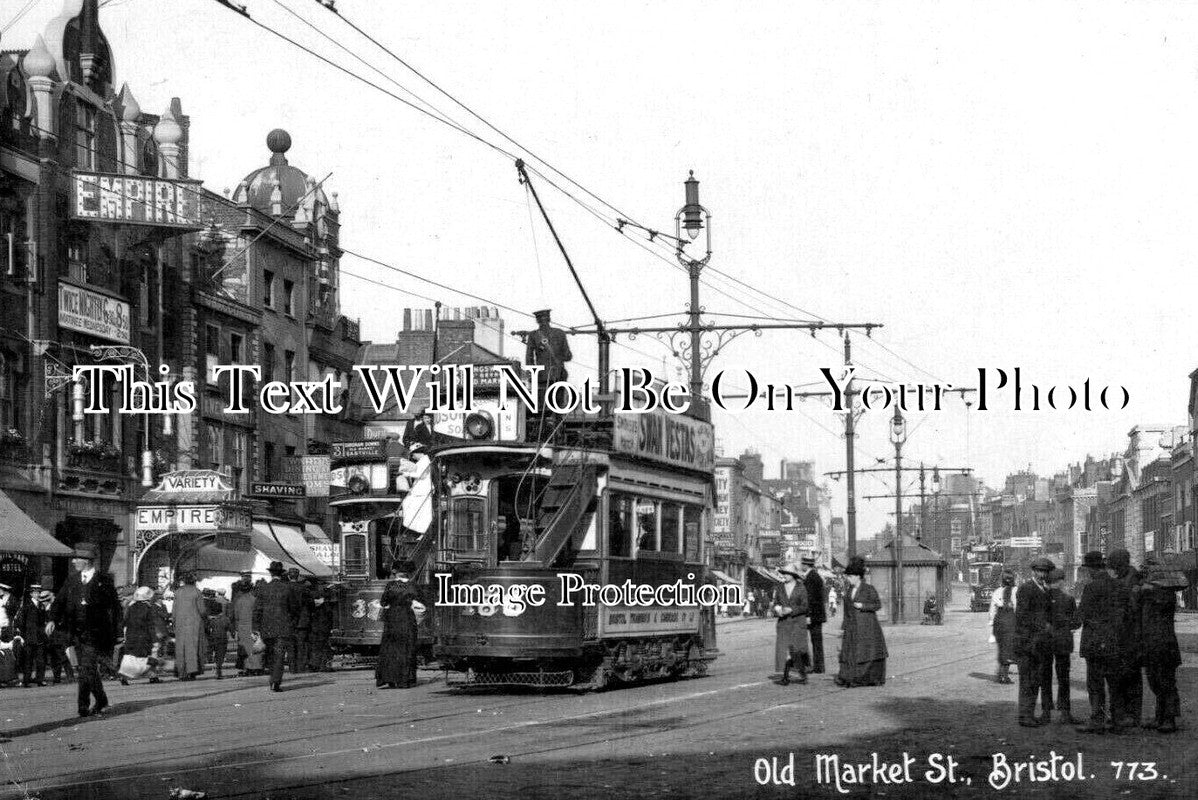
(1001, 185)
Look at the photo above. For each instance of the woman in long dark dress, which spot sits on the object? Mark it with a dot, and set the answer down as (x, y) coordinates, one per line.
(862, 647)
(397, 651)
(790, 604)
(1002, 626)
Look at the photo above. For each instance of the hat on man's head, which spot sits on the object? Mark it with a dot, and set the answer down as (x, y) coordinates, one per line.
(542, 315)
(807, 561)
(1042, 564)
(406, 567)
(45, 596)
(85, 550)
(276, 568)
(143, 593)
(1094, 560)
(5, 587)
(247, 573)
(790, 568)
(34, 587)
(293, 570)
(856, 567)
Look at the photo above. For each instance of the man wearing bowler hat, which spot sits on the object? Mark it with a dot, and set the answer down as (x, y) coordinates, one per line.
(1033, 639)
(1103, 611)
(89, 611)
(275, 615)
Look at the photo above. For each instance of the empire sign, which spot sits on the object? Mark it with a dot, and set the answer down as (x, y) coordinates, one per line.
(133, 200)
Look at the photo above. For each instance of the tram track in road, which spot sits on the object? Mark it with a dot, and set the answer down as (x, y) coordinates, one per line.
(583, 740)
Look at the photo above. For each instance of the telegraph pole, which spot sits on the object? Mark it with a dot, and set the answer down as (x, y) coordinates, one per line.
(898, 434)
(850, 484)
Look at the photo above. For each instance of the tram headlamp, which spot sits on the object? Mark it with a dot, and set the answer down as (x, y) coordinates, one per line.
(479, 425)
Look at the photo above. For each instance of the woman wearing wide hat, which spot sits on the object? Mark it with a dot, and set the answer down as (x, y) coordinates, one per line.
(790, 605)
(862, 646)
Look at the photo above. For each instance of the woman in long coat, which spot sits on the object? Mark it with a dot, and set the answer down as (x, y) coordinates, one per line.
(190, 644)
(241, 619)
(1002, 626)
(144, 631)
(397, 651)
(862, 646)
(790, 604)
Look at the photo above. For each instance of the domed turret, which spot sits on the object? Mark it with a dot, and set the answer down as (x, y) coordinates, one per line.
(259, 187)
(38, 62)
(167, 131)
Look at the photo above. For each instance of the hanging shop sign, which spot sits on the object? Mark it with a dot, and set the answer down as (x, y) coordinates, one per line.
(280, 490)
(134, 200)
(311, 472)
(92, 313)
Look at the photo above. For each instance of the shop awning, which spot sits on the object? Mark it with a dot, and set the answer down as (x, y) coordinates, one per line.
(723, 577)
(315, 534)
(20, 534)
(766, 573)
(283, 542)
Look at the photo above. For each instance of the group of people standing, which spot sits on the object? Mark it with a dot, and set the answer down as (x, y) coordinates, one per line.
(1127, 622)
(25, 649)
(800, 604)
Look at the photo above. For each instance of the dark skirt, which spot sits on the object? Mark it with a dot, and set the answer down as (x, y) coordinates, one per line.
(791, 642)
(397, 650)
(867, 673)
(1004, 634)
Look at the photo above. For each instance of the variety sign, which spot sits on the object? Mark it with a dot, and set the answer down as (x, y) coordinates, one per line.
(671, 438)
(92, 313)
(134, 200)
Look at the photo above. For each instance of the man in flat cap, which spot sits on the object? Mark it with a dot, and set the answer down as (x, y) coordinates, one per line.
(1103, 611)
(547, 347)
(1033, 639)
(88, 609)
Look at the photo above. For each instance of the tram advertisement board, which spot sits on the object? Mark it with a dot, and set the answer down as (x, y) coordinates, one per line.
(670, 438)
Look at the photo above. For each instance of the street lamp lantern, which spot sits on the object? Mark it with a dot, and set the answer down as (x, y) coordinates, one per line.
(898, 429)
(692, 212)
(935, 479)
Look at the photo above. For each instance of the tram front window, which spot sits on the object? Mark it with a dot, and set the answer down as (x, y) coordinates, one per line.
(517, 500)
(466, 525)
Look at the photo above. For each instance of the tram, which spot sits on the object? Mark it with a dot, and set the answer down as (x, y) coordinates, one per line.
(984, 577)
(372, 484)
(604, 501)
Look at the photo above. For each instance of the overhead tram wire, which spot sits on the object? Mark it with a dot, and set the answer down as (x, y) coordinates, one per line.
(438, 113)
(491, 145)
(528, 151)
